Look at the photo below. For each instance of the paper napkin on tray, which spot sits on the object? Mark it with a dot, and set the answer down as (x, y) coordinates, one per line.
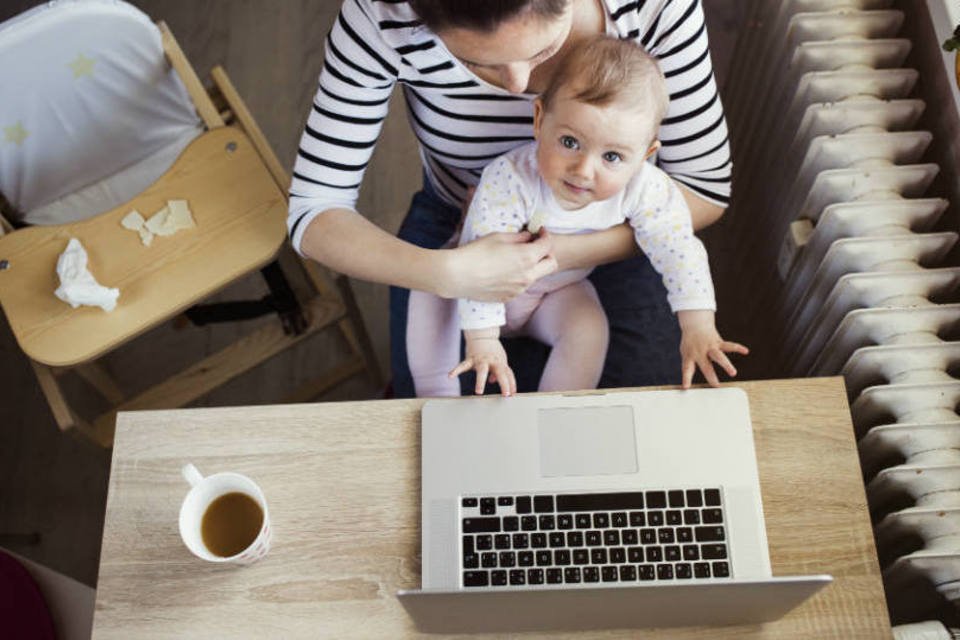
(77, 284)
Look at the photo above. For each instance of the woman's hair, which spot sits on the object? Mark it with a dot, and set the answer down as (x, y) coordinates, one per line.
(602, 70)
(482, 15)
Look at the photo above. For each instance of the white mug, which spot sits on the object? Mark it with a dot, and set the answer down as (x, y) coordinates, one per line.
(203, 491)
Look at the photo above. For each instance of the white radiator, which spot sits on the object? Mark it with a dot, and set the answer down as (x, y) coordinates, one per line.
(846, 257)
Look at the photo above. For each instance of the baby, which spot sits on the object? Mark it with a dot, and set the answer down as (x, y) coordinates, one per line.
(595, 126)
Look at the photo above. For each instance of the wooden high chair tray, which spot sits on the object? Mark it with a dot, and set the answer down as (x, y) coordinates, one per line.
(240, 225)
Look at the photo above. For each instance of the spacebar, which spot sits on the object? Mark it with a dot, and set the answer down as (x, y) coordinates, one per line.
(600, 501)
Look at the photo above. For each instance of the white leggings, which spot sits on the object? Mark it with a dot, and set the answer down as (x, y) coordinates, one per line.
(569, 319)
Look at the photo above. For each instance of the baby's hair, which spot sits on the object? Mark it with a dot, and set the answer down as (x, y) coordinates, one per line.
(482, 15)
(602, 70)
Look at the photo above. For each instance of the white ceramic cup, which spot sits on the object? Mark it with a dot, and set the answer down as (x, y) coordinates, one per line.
(203, 491)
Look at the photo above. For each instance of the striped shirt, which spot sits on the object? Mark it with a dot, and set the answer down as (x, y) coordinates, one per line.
(462, 122)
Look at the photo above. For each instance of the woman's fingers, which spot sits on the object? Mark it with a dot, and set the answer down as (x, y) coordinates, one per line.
(721, 359)
(706, 367)
(734, 347)
(689, 366)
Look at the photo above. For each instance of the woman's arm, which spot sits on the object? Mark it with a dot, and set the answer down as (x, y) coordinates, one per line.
(496, 267)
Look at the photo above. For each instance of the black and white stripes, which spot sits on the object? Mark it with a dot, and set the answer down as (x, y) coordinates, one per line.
(462, 122)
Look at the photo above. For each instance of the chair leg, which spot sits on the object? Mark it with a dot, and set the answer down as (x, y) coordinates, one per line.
(63, 414)
(97, 376)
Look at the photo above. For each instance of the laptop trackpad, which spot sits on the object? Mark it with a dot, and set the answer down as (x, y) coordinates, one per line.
(586, 441)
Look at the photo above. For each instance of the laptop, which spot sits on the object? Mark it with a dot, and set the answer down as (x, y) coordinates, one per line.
(594, 511)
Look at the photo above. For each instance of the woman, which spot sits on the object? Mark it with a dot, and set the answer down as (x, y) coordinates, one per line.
(470, 70)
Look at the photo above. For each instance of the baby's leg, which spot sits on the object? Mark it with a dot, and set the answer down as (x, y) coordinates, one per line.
(573, 323)
(433, 344)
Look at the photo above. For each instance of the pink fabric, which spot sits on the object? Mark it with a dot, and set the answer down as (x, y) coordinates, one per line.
(23, 611)
(570, 320)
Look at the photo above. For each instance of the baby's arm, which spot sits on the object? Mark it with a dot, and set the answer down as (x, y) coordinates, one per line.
(663, 230)
(486, 355)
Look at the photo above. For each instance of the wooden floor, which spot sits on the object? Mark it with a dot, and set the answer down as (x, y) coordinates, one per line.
(55, 485)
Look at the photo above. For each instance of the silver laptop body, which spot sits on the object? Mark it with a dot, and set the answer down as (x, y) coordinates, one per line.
(601, 464)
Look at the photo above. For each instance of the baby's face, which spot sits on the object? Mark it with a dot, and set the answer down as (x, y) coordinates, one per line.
(588, 153)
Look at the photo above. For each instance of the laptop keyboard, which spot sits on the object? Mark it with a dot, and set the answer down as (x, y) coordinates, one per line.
(629, 537)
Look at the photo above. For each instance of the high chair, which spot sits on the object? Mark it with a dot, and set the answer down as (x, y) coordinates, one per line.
(103, 114)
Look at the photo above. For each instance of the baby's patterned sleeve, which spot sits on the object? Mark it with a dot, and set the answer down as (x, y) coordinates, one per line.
(663, 229)
(500, 204)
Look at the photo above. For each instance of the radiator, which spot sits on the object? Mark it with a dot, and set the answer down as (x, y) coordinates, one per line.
(846, 252)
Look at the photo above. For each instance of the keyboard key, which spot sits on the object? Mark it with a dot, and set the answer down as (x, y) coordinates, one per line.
(691, 516)
(593, 538)
(508, 559)
(528, 523)
(511, 523)
(618, 555)
(501, 541)
(656, 500)
(648, 536)
(481, 525)
(504, 501)
(520, 541)
(561, 556)
(675, 498)
(571, 575)
(608, 574)
(646, 571)
(598, 556)
(619, 519)
(671, 553)
(565, 521)
(476, 579)
(554, 576)
(721, 570)
(468, 502)
(638, 519)
(518, 577)
(498, 578)
(523, 505)
(635, 554)
(664, 572)
(628, 573)
(484, 542)
(543, 504)
(534, 576)
(591, 574)
(539, 540)
(674, 517)
(601, 520)
(682, 570)
(713, 551)
(712, 516)
(575, 539)
(691, 552)
(544, 558)
(711, 497)
(583, 521)
(694, 498)
(655, 518)
(600, 501)
(488, 506)
(664, 535)
(611, 537)
(629, 536)
(488, 560)
(547, 523)
(525, 559)
(468, 544)
(708, 534)
(580, 556)
(684, 534)
(701, 569)
(654, 554)
(471, 561)
(556, 539)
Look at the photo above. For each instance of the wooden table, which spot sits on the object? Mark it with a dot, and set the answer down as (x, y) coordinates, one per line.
(342, 483)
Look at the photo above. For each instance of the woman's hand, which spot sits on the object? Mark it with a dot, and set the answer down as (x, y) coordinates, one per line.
(485, 354)
(701, 346)
(497, 267)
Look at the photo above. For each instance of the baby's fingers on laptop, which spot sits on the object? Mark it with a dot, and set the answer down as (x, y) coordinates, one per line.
(501, 374)
(463, 367)
(482, 370)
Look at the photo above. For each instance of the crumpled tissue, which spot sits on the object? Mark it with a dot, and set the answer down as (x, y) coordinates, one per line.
(77, 284)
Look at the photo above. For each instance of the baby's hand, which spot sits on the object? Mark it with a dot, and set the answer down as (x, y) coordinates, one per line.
(701, 346)
(487, 356)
